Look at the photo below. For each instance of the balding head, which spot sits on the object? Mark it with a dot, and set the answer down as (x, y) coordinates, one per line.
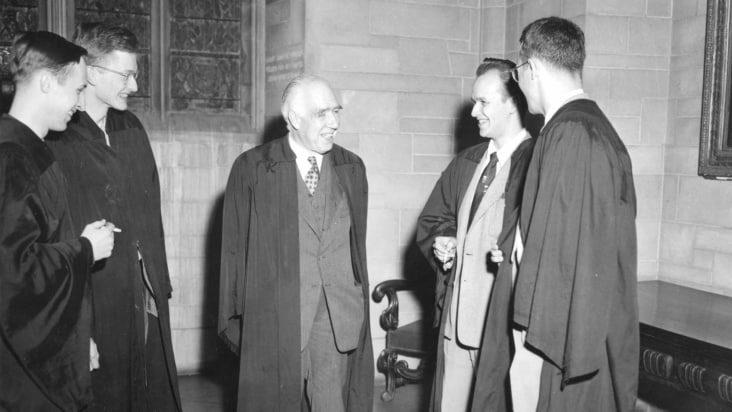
(312, 112)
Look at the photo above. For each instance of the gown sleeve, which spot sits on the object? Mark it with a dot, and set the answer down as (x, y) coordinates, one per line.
(235, 229)
(42, 278)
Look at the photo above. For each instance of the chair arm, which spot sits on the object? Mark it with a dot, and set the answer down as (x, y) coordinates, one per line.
(389, 319)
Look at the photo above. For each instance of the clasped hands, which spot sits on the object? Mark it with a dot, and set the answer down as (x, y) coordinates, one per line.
(445, 249)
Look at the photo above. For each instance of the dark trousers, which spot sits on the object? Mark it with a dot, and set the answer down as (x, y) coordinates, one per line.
(324, 368)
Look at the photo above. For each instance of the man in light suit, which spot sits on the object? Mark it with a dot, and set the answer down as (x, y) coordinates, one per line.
(464, 218)
(294, 287)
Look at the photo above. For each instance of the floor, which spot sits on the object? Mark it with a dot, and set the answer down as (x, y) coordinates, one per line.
(216, 392)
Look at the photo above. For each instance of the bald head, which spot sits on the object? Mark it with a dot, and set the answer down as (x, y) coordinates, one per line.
(293, 93)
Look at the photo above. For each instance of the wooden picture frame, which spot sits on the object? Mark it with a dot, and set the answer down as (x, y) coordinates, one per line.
(715, 148)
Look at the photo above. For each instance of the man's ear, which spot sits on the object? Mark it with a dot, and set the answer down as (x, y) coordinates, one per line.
(45, 81)
(537, 67)
(91, 75)
(293, 119)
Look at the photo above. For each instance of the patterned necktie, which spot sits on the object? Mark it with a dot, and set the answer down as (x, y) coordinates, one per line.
(485, 180)
(311, 179)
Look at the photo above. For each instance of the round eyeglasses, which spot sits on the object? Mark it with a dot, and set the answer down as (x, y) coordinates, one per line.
(126, 76)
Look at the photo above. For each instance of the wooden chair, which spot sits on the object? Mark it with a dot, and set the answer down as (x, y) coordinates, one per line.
(416, 339)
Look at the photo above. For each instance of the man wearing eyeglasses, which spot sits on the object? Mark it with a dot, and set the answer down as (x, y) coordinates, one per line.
(472, 208)
(575, 320)
(106, 155)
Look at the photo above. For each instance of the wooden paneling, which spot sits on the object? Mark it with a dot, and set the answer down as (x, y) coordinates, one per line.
(686, 348)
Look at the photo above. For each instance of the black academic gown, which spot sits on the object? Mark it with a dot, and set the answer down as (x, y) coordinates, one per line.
(120, 183)
(44, 267)
(576, 286)
(259, 310)
(439, 218)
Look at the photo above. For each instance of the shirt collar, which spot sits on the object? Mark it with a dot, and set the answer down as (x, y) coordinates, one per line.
(507, 150)
(566, 98)
(301, 152)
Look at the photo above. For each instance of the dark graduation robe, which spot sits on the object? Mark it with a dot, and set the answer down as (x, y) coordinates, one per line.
(576, 286)
(259, 309)
(44, 315)
(439, 218)
(120, 183)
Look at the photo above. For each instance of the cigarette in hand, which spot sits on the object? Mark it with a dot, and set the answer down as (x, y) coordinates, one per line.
(116, 230)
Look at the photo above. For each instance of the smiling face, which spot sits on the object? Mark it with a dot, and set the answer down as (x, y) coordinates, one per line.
(110, 87)
(314, 116)
(64, 95)
(492, 108)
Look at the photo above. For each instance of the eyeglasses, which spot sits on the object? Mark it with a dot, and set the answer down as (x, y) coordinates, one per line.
(126, 76)
(514, 71)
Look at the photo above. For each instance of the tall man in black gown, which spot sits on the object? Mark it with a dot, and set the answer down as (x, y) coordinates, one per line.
(45, 351)
(107, 158)
(575, 315)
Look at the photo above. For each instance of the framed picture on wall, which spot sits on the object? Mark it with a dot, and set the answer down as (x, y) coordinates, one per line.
(715, 149)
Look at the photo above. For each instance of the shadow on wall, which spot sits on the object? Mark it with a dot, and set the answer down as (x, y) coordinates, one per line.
(466, 129)
(533, 124)
(417, 269)
(218, 363)
(274, 129)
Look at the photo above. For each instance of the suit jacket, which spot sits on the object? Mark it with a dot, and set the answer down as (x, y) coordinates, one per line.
(325, 261)
(474, 272)
(259, 304)
(440, 218)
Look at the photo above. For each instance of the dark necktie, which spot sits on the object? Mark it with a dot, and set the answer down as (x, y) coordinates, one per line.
(311, 179)
(485, 180)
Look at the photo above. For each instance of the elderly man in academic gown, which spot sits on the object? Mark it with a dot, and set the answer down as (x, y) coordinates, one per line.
(294, 287)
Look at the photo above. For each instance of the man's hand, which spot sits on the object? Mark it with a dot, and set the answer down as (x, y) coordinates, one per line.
(101, 236)
(496, 254)
(93, 355)
(444, 248)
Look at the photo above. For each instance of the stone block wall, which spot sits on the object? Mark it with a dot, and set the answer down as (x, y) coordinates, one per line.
(696, 230)
(194, 168)
(627, 72)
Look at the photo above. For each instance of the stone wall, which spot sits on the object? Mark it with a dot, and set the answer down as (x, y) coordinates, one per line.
(194, 168)
(696, 231)
(627, 72)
